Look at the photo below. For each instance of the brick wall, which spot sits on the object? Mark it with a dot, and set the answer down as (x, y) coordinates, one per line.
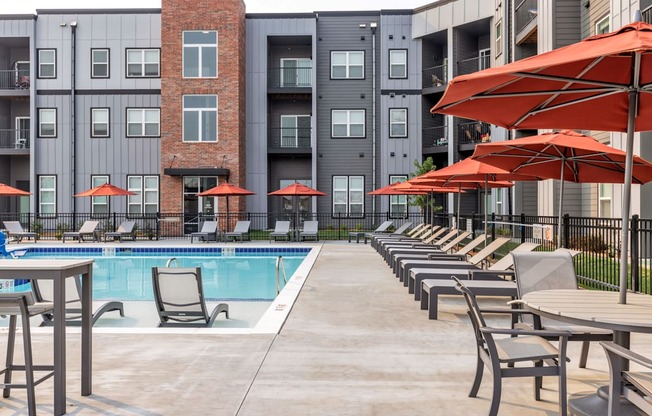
(228, 18)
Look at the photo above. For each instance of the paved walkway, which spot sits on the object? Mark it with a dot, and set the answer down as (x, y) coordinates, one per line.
(355, 343)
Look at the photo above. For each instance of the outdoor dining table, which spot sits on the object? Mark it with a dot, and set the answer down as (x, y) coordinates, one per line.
(58, 271)
(598, 309)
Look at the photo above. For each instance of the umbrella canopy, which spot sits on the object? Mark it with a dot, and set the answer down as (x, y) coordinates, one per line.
(297, 189)
(601, 83)
(6, 190)
(226, 189)
(391, 190)
(106, 190)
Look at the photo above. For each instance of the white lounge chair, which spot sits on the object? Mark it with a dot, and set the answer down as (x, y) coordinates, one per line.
(241, 231)
(125, 231)
(282, 230)
(310, 231)
(88, 229)
(15, 230)
(208, 231)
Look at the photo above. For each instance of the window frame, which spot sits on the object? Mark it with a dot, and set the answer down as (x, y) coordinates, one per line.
(40, 64)
(347, 65)
(498, 30)
(142, 63)
(600, 21)
(141, 192)
(348, 123)
(605, 199)
(108, 122)
(40, 123)
(107, 63)
(40, 197)
(405, 123)
(96, 180)
(142, 123)
(405, 64)
(349, 191)
(201, 113)
(200, 47)
(398, 200)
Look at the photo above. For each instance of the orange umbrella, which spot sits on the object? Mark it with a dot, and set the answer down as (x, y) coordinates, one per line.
(391, 190)
(226, 189)
(6, 190)
(106, 190)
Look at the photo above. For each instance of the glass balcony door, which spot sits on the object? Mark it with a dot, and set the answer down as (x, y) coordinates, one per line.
(295, 131)
(295, 72)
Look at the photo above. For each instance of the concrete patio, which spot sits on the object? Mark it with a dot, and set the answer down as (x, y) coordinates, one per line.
(354, 344)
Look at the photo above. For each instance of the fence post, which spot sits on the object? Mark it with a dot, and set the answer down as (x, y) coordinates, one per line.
(493, 226)
(158, 225)
(339, 225)
(566, 228)
(634, 253)
(521, 227)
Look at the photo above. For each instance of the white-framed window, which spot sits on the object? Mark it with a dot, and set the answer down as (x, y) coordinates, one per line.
(47, 63)
(200, 54)
(499, 37)
(47, 194)
(200, 118)
(484, 59)
(397, 203)
(143, 122)
(99, 122)
(143, 63)
(47, 122)
(398, 122)
(347, 123)
(99, 63)
(296, 72)
(602, 25)
(295, 131)
(347, 64)
(146, 199)
(499, 201)
(99, 204)
(348, 195)
(605, 193)
(398, 63)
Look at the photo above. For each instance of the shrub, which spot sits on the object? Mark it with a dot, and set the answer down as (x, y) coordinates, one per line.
(62, 227)
(593, 243)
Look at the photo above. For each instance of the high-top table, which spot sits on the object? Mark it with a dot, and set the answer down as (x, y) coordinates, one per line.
(598, 309)
(58, 271)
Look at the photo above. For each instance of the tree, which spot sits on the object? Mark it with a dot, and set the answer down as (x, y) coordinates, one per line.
(422, 200)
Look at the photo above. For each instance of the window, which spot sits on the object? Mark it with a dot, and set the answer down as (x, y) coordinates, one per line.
(398, 122)
(347, 123)
(200, 118)
(484, 56)
(47, 122)
(99, 122)
(99, 204)
(605, 191)
(602, 25)
(499, 37)
(143, 122)
(200, 54)
(295, 131)
(348, 195)
(143, 63)
(47, 63)
(99, 63)
(47, 194)
(296, 72)
(397, 203)
(347, 65)
(147, 195)
(499, 201)
(398, 63)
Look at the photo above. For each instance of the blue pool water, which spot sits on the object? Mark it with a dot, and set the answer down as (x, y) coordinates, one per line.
(240, 274)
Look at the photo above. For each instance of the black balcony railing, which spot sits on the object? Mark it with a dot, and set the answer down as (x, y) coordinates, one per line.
(468, 66)
(474, 132)
(289, 138)
(435, 76)
(435, 136)
(14, 139)
(289, 77)
(12, 79)
(525, 12)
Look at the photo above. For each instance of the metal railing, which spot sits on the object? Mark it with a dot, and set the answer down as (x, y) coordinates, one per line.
(435, 136)
(525, 12)
(474, 132)
(435, 76)
(288, 138)
(289, 77)
(468, 66)
(12, 79)
(14, 138)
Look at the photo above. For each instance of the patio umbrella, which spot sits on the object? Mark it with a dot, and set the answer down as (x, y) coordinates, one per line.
(107, 190)
(601, 83)
(6, 190)
(226, 189)
(296, 190)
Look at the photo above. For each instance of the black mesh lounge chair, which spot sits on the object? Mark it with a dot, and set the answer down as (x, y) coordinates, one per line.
(282, 231)
(88, 229)
(310, 231)
(125, 231)
(207, 233)
(179, 297)
(44, 292)
(15, 230)
(241, 231)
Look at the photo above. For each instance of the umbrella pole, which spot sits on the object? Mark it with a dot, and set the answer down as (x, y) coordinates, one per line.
(561, 199)
(459, 198)
(226, 224)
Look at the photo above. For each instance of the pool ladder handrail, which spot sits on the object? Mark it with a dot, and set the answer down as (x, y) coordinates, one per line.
(170, 260)
(280, 265)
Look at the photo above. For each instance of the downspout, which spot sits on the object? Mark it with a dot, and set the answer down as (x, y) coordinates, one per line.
(73, 130)
(373, 116)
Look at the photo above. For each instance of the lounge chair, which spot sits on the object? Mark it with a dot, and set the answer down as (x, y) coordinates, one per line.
(554, 270)
(396, 233)
(500, 348)
(635, 385)
(179, 297)
(310, 230)
(88, 229)
(125, 231)
(382, 229)
(44, 292)
(241, 231)
(208, 231)
(15, 230)
(282, 230)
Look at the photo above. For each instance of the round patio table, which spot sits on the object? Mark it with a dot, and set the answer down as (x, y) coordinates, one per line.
(598, 309)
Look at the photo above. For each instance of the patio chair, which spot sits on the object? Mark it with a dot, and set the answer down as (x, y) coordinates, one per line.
(241, 230)
(44, 292)
(399, 232)
(15, 230)
(281, 230)
(554, 270)
(179, 297)
(14, 304)
(125, 231)
(208, 231)
(310, 231)
(500, 348)
(636, 386)
(88, 229)
(382, 229)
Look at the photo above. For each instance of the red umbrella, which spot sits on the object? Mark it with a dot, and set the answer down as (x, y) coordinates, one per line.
(6, 190)
(297, 189)
(600, 83)
(226, 189)
(106, 190)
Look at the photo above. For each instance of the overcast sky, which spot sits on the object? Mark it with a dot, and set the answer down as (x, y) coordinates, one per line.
(253, 6)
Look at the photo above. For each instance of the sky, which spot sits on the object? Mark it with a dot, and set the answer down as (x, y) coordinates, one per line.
(253, 6)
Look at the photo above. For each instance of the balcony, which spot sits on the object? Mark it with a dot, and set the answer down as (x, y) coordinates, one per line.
(472, 133)
(435, 77)
(289, 80)
(289, 140)
(478, 63)
(435, 139)
(14, 139)
(14, 82)
(525, 16)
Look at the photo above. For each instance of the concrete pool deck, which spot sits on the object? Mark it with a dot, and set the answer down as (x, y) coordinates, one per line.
(355, 343)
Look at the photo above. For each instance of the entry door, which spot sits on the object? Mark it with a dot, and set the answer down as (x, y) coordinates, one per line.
(197, 209)
(22, 132)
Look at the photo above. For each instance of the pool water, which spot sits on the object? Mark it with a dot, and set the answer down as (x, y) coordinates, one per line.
(240, 277)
